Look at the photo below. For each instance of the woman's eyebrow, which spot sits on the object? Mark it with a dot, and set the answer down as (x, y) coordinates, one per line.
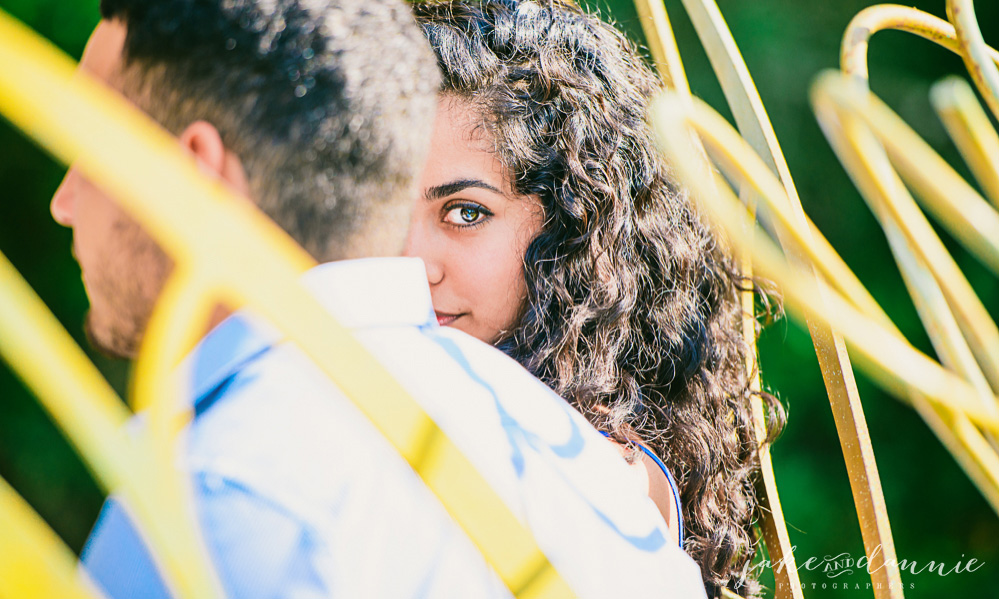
(442, 191)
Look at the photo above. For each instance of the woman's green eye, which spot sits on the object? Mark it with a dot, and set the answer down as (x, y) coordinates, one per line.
(466, 215)
(470, 215)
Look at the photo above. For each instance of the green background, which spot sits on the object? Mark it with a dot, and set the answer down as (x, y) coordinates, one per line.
(937, 515)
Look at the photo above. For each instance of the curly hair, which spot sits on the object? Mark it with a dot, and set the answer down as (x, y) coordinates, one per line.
(633, 310)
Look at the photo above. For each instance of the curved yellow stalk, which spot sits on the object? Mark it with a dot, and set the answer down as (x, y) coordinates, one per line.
(250, 263)
(35, 345)
(851, 425)
(89, 412)
(942, 191)
(871, 20)
(971, 130)
(966, 442)
(959, 435)
(179, 319)
(871, 172)
(969, 127)
(34, 562)
(891, 202)
(922, 258)
(176, 324)
(972, 316)
(961, 209)
(889, 358)
(911, 237)
(739, 162)
(662, 43)
(976, 54)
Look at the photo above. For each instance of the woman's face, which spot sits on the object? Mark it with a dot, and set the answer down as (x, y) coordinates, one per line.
(470, 229)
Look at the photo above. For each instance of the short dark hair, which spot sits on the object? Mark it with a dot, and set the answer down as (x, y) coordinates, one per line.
(328, 104)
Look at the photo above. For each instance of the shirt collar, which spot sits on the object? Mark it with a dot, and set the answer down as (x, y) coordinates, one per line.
(360, 294)
(373, 292)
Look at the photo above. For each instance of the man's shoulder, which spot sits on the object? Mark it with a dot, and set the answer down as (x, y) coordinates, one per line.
(445, 371)
(281, 427)
(279, 440)
(539, 453)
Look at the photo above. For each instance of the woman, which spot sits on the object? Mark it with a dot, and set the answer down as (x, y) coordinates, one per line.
(550, 227)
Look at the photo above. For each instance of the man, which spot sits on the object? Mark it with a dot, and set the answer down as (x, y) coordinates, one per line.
(319, 112)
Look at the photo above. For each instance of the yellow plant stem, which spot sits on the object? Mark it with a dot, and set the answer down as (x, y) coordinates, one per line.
(88, 411)
(804, 298)
(942, 191)
(895, 209)
(851, 425)
(737, 159)
(976, 54)
(972, 132)
(666, 55)
(662, 44)
(250, 263)
(740, 91)
(882, 17)
(921, 256)
(966, 215)
(34, 562)
(45, 357)
(972, 316)
(966, 443)
(869, 167)
(891, 359)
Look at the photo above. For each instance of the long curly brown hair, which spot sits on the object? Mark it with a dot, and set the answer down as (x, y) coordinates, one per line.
(633, 309)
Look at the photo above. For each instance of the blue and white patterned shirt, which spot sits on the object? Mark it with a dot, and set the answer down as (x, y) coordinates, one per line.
(299, 496)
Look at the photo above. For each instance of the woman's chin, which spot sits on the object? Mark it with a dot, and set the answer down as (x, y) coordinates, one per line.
(465, 324)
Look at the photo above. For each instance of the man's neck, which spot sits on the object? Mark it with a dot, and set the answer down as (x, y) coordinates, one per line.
(219, 313)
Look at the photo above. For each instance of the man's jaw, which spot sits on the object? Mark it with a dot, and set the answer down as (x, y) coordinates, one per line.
(107, 341)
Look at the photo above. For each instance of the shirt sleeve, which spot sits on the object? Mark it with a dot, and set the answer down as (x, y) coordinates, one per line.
(259, 550)
(116, 557)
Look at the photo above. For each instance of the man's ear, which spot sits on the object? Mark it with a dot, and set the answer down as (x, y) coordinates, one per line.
(203, 141)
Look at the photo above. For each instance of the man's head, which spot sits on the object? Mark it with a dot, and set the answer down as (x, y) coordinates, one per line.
(319, 111)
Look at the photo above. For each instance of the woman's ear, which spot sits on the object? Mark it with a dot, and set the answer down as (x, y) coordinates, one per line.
(203, 141)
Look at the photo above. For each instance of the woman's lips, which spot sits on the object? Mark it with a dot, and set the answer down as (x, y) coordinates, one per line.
(446, 319)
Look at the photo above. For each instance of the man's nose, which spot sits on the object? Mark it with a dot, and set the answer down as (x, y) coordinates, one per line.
(62, 202)
(418, 246)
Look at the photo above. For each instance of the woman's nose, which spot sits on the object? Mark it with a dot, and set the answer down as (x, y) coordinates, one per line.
(435, 273)
(419, 246)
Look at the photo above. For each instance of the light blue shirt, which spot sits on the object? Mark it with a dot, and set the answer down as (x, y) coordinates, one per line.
(299, 496)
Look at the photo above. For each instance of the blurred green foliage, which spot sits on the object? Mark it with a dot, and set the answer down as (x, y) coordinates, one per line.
(937, 515)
